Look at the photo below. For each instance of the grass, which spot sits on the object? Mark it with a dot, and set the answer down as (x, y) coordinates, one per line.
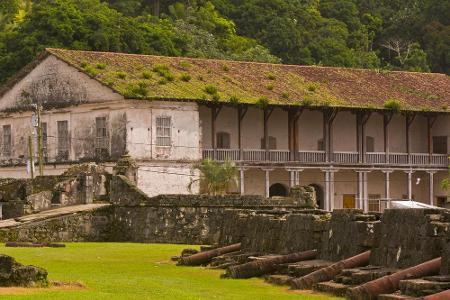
(135, 271)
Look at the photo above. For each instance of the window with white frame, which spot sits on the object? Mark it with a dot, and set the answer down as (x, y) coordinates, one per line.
(163, 131)
(101, 139)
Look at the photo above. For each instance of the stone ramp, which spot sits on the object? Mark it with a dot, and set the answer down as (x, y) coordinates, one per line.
(48, 214)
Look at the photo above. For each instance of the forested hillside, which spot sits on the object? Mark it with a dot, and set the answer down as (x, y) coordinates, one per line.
(409, 35)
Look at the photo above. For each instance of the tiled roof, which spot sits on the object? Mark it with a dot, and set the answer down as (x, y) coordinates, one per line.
(180, 78)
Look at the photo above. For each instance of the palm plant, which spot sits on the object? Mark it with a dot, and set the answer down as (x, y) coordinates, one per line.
(216, 176)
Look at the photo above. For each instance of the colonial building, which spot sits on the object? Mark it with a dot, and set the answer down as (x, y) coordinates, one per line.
(358, 136)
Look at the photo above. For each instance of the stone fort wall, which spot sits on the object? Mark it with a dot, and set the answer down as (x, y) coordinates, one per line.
(397, 238)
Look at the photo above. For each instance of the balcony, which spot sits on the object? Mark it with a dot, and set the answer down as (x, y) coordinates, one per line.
(319, 157)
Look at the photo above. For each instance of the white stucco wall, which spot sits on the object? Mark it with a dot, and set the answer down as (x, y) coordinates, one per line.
(185, 131)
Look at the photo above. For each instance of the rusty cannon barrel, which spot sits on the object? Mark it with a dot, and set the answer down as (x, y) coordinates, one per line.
(267, 265)
(327, 273)
(444, 295)
(206, 256)
(390, 283)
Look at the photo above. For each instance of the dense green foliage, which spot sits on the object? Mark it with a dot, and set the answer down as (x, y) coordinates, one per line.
(125, 271)
(409, 35)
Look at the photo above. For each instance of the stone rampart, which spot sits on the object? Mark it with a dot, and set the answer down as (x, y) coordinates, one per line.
(398, 238)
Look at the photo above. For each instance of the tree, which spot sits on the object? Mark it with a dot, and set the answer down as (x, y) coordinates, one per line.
(409, 55)
(216, 176)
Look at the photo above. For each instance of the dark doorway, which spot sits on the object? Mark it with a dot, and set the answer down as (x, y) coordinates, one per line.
(277, 189)
(319, 195)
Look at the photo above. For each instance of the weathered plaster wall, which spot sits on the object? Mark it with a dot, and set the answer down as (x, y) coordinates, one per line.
(54, 83)
(185, 132)
(156, 178)
(82, 133)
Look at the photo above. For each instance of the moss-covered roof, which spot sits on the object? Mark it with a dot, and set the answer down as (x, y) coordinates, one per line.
(179, 78)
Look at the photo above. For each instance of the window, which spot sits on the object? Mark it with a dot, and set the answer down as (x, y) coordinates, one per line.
(45, 140)
(101, 140)
(163, 132)
(375, 203)
(63, 140)
(7, 140)
(370, 144)
(223, 140)
(272, 143)
(440, 144)
(320, 145)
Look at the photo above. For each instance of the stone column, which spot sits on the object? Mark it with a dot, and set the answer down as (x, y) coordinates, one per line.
(366, 192)
(410, 172)
(294, 176)
(360, 195)
(431, 187)
(331, 199)
(363, 191)
(329, 189)
(387, 186)
(242, 180)
(267, 184)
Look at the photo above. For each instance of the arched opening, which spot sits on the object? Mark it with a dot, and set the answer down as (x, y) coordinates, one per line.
(278, 189)
(319, 195)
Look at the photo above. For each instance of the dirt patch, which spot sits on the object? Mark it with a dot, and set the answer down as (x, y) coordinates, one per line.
(55, 286)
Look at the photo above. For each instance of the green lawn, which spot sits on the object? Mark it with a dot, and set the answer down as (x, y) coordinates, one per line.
(135, 271)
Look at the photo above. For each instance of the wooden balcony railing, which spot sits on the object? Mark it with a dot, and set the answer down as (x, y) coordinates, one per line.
(318, 157)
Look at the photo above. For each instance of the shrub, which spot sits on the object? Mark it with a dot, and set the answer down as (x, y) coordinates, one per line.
(162, 81)
(160, 69)
(137, 91)
(225, 68)
(216, 97)
(262, 102)
(393, 104)
(101, 66)
(307, 101)
(185, 77)
(90, 71)
(312, 87)
(270, 87)
(211, 89)
(163, 71)
(285, 95)
(234, 100)
(271, 76)
(146, 75)
(185, 64)
(121, 75)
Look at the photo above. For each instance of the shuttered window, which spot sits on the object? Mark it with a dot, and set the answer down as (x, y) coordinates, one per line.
(7, 141)
(163, 131)
(63, 139)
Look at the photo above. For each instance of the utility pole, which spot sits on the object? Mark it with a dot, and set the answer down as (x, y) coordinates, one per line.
(30, 155)
(40, 142)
